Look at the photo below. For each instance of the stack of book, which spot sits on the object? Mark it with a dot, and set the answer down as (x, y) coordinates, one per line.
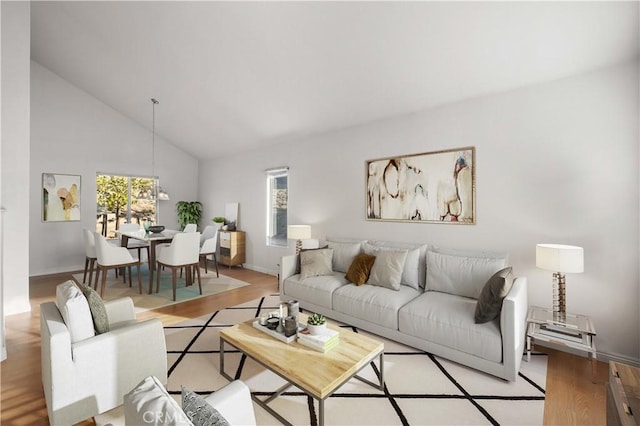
(321, 343)
(560, 332)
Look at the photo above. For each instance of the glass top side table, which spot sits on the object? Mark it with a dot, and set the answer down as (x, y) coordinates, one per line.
(570, 331)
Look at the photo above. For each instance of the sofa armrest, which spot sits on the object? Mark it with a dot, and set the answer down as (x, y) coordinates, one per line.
(513, 326)
(288, 266)
(120, 310)
(233, 401)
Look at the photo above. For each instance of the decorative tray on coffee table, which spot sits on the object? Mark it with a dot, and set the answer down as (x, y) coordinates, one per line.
(273, 333)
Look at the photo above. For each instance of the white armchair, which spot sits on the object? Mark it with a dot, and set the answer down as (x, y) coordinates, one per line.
(209, 246)
(111, 257)
(90, 376)
(89, 253)
(190, 227)
(184, 251)
(150, 404)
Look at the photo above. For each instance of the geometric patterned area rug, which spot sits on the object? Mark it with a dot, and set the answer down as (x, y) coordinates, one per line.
(420, 388)
(115, 288)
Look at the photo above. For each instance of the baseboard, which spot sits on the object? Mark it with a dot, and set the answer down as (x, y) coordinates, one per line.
(618, 358)
(261, 269)
(600, 356)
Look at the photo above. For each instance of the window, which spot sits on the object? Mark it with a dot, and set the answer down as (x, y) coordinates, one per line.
(122, 199)
(277, 199)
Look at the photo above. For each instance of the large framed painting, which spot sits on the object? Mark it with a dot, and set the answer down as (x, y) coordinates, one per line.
(432, 187)
(60, 197)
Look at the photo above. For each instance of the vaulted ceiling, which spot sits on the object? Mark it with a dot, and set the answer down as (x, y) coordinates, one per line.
(233, 76)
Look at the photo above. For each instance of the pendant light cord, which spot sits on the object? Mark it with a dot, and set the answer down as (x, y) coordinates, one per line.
(153, 148)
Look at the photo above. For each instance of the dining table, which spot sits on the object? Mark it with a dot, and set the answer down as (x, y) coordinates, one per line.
(153, 239)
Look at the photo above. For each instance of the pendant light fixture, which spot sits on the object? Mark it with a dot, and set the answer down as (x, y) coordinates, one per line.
(156, 192)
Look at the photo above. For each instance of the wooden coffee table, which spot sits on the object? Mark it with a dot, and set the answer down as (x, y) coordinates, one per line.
(318, 374)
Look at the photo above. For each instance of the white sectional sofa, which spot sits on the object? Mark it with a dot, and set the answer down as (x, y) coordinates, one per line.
(432, 309)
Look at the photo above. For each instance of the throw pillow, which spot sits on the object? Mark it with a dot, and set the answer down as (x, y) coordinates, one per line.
(98, 311)
(150, 403)
(360, 268)
(411, 268)
(74, 309)
(199, 411)
(387, 269)
(461, 275)
(493, 293)
(343, 254)
(309, 249)
(315, 263)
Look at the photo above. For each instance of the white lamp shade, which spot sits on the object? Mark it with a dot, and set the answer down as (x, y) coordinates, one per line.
(560, 258)
(298, 232)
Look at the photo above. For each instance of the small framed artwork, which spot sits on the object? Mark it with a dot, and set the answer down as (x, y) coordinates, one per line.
(432, 187)
(60, 197)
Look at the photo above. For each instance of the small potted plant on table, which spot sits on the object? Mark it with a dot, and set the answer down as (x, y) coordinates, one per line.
(316, 324)
(219, 221)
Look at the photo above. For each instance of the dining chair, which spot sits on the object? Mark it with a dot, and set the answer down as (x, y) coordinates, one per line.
(190, 227)
(112, 257)
(89, 253)
(209, 246)
(184, 251)
(134, 244)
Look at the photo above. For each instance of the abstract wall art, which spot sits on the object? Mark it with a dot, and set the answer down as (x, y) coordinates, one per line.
(60, 197)
(432, 187)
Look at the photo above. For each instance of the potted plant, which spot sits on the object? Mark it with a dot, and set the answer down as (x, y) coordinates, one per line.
(219, 221)
(316, 324)
(188, 212)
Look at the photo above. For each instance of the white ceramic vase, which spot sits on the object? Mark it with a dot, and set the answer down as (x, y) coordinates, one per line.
(316, 330)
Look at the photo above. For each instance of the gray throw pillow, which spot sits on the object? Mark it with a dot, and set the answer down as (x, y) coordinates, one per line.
(199, 411)
(492, 294)
(315, 263)
(302, 251)
(98, 311)
(387, 269)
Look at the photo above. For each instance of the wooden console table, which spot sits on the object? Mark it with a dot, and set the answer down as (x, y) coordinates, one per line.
(232, 248)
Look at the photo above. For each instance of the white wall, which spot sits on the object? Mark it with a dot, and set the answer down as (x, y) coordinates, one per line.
(14, 146)
(74, 133)
(556, 162)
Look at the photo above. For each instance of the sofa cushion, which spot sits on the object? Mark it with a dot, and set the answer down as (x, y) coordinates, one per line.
(463, 275)
(199, 411)
(360, 268)
(343, 254)
(150, 403)
(74, 308)
(387, 269)
(377, 305)
(315, 263)
(98, 311)
(411, 268)
(493, 293)
(448, 320)
(409, 265)
(316, 290)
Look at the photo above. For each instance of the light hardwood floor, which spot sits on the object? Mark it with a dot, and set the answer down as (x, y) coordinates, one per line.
(571, 397)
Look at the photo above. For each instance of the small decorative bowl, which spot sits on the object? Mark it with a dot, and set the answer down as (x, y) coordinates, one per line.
(154, 229)
(272, 323)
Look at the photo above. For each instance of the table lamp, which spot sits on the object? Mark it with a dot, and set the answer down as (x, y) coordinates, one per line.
(559, 259)
(299, 233)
